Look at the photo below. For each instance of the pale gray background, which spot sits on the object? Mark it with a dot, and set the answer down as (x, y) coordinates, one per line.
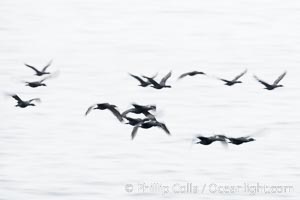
(53, 152)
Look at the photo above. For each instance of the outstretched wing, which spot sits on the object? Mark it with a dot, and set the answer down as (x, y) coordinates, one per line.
(164, 127)
(36, 70)
(262, 82)
(184, 75)
(127, 111)
(90, 109)
(45, 68)
(149, 115)
(53, 75)
(240, 75)
(137, 106)
(154, 76)
(16, 97)
(164, 79)
(42, 80)
(152, 81)
(190, 74)
(138, 78)
(279, 78)
(116, 113)
(226, 81)
(35, 99)
(134, 130)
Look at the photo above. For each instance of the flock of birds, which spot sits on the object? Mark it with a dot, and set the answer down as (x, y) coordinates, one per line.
(149, 120)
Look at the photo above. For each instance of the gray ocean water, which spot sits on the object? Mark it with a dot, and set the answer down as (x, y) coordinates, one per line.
(52, 151)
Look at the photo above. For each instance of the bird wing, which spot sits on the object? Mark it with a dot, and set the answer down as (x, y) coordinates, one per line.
(184, 75)
(152, 81)
(42, 80)
(45, 68)
(149, 115)
(226, 81)
(16, 97)
(137, 106)
(279, 78)
(190, 74)
(90, 109)
(35, 99)
(138, 78)
(137, 120)
(53, 75)
(116, 113)
(134, 130)
(164, 79)
(262, 82)
(220, 137)
(127, 111)
(154, 76)
(36, 70)
(164, 127)
(240, 75)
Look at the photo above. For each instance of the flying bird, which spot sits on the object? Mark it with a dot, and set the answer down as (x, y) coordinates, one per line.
(104, 106)
(35, 84)
(240, 140)
(193, 73)
(209, 140)
(235, 80)
(24, 104)
(162, 83)
(40, 72)
(274, 85)
(149, 124)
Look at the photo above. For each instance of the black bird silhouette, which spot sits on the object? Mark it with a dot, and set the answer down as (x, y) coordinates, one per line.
(162, 83)
(40, 72)
(149, 124)
(24, 104)
(104, 106)
(240, 140)
(235, 80)
(271, 86)
(142, 82)
(193, 73)
(209, 140)
(35, 84)
(140, 109)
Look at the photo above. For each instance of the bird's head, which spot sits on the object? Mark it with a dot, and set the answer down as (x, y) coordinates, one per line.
(251, 139)
(31, 104)
(279, 85)
(43, 84)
